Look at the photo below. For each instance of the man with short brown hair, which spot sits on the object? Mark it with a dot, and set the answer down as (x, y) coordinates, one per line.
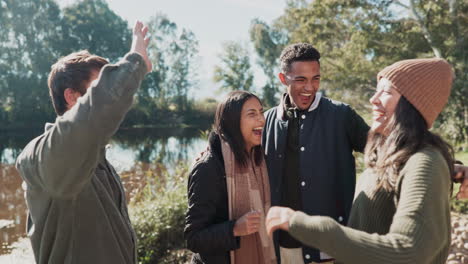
(72, 74)
(76, 201)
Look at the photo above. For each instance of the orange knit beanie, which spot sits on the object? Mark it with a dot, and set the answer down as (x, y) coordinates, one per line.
(425, 83)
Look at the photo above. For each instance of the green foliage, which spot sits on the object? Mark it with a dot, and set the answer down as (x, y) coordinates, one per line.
(163, 98)
(33, 35)
(462, 156)
(202, 112)
(234, 72)
(158, 216)
(199, 114)
(30, 34)
(356, 39)
(174, 53)
(460, 206)
(268, 43)
(447, 25)
(359, 38)
(92, 25)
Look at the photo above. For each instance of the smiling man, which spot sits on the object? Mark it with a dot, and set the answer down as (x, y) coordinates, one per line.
(308, 141)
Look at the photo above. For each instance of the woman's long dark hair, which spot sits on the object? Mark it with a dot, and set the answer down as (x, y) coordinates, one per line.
(227, 126)
(408, 133)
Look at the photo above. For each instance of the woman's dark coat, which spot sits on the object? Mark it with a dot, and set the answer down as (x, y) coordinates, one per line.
(208, 231)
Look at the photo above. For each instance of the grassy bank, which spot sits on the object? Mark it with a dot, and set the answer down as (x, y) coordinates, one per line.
(158, 210)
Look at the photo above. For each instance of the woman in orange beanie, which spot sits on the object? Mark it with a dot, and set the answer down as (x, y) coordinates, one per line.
(401, 210)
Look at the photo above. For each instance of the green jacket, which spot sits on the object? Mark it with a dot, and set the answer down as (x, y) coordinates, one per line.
(77, 207)
(409, 225)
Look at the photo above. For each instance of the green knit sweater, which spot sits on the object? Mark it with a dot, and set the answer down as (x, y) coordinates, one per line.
(409, 225)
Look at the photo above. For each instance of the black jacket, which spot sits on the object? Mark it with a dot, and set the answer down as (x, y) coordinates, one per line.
(328, 135)
(208, 231)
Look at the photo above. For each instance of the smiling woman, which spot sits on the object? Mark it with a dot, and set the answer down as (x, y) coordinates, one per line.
(383, 103)
(401, 210)
(229, 192)
(251, 123)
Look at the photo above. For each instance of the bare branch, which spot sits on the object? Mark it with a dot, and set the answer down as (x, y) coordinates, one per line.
(452, 5)
(396, 2)
(425, 30)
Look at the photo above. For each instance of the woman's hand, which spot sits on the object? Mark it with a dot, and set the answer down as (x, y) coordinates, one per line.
(247, 224)
(278, 218)
(461, 176)
(140, 43)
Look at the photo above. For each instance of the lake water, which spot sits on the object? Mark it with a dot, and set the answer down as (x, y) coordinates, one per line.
(127, 150)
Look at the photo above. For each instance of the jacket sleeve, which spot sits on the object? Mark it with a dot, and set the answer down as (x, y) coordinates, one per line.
(203, 235)
(62, 160)
(420, 226)
(356, 129)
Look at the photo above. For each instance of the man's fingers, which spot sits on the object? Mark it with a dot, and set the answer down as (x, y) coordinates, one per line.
(461, 169)
(254, 214)
(254, 225)
(253, 221)
(140, 43)
(144, 30)
(274, 211)
(253, 217)
(137, 27)
(253, 229)
(270, 220)
(269, 224)
(270, 229)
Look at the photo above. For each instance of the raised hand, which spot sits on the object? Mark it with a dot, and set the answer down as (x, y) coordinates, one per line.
(140, 42)
(278, 218)
(247, 224)
(461, 176)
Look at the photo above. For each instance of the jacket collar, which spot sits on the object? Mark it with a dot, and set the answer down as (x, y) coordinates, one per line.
(48, 126)
(281, 114)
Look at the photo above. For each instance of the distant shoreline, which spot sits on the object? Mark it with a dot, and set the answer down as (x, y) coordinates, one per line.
(166, 126)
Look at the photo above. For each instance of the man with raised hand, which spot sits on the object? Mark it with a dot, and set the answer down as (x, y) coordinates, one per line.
(76, 201)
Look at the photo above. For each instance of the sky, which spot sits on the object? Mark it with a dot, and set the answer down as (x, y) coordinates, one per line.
(212, 21)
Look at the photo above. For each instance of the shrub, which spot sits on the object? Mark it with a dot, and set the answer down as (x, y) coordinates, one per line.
(158, 217)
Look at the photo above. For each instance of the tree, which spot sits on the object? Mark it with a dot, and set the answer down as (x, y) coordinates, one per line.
(234, 71)
(30, 35)
(268, 43)
(359, 38)
(183, 75)
(34, 34)
(354, 41)
(174, 74)
(444, 25)
(92, 25)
